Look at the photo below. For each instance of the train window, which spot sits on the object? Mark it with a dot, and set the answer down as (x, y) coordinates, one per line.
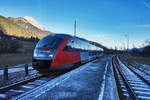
(78, 45)
(69, 46)
(50, 42)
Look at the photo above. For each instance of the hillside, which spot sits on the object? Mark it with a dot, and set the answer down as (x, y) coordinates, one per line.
(20, 27)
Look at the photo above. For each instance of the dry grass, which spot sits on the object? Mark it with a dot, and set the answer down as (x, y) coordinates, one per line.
(25, 56)
(130, 58)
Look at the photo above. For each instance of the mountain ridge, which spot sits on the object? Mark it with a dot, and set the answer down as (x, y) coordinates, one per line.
(34, 23)
(20, 27)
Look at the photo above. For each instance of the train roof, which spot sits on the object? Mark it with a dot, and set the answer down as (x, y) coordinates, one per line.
(62, 35)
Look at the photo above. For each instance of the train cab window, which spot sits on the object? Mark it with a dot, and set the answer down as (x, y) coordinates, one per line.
(49, 42)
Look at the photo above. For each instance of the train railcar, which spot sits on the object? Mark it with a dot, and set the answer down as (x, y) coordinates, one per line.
(62, 51)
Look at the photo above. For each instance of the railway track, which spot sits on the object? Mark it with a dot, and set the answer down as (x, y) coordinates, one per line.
(141, 71)
(131, 82)
(19, 88)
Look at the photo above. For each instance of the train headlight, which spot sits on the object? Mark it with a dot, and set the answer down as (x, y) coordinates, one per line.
(51, 55)
(35, 55)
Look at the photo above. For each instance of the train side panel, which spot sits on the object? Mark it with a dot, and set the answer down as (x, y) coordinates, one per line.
(84, 57)
(63, 58)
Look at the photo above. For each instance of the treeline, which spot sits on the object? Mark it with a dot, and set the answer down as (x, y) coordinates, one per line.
(11, 44)
(142, 51)
(145, 52)
(7, 37)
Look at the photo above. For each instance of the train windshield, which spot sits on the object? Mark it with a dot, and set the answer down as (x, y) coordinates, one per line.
(50, 42)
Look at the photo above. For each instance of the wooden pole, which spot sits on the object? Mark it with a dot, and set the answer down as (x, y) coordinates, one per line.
(75, 28)
(6, 72)
(26, 70)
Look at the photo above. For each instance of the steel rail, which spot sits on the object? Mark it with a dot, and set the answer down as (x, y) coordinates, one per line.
(130, 90)
(148, 83)
(6, 88)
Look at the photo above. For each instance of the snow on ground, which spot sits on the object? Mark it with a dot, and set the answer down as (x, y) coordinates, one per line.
(84, 83)
(110, 90)
(15, 69)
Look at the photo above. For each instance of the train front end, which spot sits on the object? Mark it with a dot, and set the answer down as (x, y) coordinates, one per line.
(44, 53)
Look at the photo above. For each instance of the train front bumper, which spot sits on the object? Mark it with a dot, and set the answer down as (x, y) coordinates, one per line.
(41, 65)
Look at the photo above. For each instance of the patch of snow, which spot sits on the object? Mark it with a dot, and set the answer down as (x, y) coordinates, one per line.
(27, 86)
(103, 84)
(111, 84)
(144, 65)
(34, 22)
(12, 70)
(143, 97)
(19, 91)
(65, 95)
(3, 96)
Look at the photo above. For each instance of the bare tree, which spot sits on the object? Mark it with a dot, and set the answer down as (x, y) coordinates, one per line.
(133, 46)
(116, 48)
(147, 41)
(127, 36)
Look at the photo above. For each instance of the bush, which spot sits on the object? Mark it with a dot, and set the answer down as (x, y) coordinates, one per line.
(135, 51)
(9, 46)
(146, 51)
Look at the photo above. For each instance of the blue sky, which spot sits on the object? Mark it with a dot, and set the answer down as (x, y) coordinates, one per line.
(103, 21)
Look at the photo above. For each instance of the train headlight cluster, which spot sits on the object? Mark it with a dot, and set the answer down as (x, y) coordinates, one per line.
(51, 55)
(35, 55)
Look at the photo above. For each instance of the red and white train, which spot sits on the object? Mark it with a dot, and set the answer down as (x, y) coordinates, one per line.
(62, 51)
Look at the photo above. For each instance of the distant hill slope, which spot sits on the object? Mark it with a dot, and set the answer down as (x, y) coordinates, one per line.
(20, 27)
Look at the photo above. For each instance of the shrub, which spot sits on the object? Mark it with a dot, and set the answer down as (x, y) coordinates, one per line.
(146, 51)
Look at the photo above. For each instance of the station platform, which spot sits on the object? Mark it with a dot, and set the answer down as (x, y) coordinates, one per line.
(92, 81)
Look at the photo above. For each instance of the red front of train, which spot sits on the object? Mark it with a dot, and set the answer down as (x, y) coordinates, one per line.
(62, 51)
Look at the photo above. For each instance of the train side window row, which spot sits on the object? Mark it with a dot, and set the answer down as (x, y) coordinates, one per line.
(79, 45)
